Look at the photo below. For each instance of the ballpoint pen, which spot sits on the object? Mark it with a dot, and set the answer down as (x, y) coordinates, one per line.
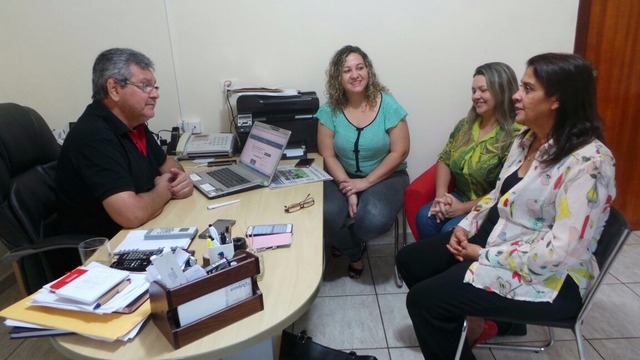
(111, 293)
(215, 206)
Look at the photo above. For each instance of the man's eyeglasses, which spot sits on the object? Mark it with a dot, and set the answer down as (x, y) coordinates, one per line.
(307, 202)
(146, 88)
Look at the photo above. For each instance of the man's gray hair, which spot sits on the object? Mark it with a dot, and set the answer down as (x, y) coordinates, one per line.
(114, 63)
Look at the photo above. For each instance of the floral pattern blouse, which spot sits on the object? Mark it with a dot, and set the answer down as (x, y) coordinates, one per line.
(549, 222)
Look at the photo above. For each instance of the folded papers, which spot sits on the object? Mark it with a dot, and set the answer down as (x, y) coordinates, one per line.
(87, 284)
(108, 327)
(90, 317)
(118, 303)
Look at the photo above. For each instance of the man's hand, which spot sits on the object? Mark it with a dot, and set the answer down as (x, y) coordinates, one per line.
(162, 183)
(180, 184)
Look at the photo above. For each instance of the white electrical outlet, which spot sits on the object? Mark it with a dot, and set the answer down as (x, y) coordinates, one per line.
(194, 126)
(227, 84)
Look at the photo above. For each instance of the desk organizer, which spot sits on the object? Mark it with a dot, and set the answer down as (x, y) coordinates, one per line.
(165, 302)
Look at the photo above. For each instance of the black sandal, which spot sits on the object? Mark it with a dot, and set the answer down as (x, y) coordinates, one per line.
(353, 272)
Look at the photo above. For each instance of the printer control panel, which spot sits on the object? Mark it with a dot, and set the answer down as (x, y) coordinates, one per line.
(245, 121)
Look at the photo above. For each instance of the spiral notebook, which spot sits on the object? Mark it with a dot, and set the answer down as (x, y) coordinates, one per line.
(135, 241)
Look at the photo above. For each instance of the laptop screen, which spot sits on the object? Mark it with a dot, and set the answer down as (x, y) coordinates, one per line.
(264, 148)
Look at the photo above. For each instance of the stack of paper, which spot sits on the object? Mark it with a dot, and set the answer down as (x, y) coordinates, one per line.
(84, 301)
(107, 327)
(20, 330)
(87, 285)
(95, 288)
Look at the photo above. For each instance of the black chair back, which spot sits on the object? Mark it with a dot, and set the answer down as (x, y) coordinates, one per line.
(28, 220)
(26, 142)
(611, 237)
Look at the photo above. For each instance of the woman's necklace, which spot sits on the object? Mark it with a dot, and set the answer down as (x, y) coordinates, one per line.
(533, 149)
(528, 157)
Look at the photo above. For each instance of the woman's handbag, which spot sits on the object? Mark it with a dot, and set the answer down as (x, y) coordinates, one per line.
(302, 347)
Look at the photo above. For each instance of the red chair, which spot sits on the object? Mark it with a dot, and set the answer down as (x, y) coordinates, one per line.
(421, 191)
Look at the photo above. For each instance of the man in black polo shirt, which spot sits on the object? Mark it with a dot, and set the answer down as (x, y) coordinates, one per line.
(112, 173)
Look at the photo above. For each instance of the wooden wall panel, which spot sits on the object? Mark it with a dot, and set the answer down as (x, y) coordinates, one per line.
(613, 46)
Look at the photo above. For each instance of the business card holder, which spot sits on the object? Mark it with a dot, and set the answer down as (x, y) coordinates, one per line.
(169, 305)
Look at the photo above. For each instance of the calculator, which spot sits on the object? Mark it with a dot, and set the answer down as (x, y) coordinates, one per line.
(136, 261)
(171, 233)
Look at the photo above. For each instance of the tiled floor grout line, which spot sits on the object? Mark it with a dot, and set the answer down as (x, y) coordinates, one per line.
(377, 294)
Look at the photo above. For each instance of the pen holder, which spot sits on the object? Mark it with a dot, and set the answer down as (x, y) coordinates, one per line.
(258, 254)
(260, 259)
(169, 306)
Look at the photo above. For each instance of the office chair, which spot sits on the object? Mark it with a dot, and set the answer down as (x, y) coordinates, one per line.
(420, 192)
(615, 233)
(28, 221)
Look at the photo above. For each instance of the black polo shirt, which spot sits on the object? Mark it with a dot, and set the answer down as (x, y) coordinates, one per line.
(99, 159)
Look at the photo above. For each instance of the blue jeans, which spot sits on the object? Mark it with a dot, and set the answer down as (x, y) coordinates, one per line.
(429, 226)
(377, 210)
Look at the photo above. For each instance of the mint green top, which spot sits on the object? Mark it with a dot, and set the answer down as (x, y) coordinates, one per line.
(476, 165)
(372, 142)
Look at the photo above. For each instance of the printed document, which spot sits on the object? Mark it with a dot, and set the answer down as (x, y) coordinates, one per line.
(289, 175)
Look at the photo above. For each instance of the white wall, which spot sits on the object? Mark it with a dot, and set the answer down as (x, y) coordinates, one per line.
(425, 51)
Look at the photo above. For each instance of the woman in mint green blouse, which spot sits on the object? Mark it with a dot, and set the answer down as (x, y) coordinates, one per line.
(364, 139)
(475, 152)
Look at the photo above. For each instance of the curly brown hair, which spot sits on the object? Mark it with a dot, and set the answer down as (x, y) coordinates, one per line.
(336, 96)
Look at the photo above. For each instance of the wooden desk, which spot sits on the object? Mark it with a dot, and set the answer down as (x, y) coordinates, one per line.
(290, 285)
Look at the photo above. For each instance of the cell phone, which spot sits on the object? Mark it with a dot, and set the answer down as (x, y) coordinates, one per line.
(270, 229)
(304, 163)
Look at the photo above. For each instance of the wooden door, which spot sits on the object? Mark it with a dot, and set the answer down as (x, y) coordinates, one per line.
(608, 35)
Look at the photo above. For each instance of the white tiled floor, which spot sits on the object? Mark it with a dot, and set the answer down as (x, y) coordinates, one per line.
(368, 315)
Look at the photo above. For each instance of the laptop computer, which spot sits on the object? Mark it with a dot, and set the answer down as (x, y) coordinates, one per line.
(257, 164)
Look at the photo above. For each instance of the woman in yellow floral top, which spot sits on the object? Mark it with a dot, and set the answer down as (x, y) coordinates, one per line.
(526, 249)
(475, 152)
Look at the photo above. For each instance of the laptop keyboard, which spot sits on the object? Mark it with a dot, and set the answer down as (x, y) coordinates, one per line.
(227, 177)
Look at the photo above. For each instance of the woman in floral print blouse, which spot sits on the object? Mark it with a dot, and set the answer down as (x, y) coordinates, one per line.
(526, 249)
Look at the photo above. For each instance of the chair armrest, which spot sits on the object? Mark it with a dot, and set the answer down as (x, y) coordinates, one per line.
(420, 192)
(51, 243)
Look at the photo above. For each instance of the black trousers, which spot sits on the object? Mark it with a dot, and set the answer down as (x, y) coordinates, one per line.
(438, 300)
